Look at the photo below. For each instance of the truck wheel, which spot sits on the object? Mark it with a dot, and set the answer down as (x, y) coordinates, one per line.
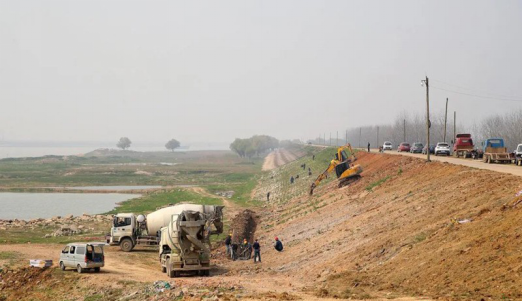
(62, 266)
(163, 269)
(79, 269)
(170, 272)
(126, 245)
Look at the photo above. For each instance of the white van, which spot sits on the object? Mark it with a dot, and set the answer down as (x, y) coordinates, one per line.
(81, 256)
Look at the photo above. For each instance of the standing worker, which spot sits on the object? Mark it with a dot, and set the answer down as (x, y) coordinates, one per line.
(268, 196)
(292, 180)
(257, 251)
(313, 157)
(228, 242)
(368, 146)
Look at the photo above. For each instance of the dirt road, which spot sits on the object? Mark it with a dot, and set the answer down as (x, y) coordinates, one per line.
(503, 168)
(278, 158)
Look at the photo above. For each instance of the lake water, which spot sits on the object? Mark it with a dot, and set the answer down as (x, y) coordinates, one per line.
(113, 188)
(45, 205)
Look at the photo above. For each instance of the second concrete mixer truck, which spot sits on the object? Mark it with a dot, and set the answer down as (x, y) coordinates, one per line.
(129, 230)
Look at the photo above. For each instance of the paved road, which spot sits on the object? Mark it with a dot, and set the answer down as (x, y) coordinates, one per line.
(504, 168)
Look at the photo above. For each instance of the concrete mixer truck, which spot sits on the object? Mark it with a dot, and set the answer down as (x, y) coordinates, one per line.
(185, 242)
(129, 230)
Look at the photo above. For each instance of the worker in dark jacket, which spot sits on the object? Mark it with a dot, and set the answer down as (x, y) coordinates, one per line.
(257, 251)
(278, 245)
(228, 244)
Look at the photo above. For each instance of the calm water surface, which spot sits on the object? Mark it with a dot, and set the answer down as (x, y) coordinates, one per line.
(45, 205)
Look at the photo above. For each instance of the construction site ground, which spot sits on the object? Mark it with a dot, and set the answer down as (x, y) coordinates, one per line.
(408, 230)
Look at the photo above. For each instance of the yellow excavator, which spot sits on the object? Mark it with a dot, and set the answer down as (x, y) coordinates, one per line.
(346, 172)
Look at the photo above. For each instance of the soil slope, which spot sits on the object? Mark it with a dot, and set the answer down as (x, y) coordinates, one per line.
(407, 228)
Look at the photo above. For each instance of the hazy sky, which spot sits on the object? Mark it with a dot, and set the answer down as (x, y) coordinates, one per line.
(216, 70)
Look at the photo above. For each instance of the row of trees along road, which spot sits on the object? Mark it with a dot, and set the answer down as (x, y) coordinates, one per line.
(253, 146)
(125, 143)
(505, 126)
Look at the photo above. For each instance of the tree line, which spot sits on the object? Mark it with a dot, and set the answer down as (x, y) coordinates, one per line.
(253, 146)
(505, 126)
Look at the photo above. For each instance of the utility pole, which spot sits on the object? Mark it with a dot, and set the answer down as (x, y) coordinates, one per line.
(330, 138)
(377, 137)
(445, 119)
(404, 126)
(454, 126)
(324, 138)
(337, 139)
(428, 123)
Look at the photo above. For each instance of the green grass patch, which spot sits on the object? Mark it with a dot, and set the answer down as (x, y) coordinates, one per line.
(377, 183)
(150, 202)
(8, 255)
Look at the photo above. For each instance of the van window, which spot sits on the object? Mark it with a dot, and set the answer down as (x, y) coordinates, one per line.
(65, 250)
(98, 249)
(80, 250)
(72, 250)
(122, 221)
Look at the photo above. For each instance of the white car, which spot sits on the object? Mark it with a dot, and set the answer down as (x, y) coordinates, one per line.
(82, 256)
(442, 148)
(387, 146)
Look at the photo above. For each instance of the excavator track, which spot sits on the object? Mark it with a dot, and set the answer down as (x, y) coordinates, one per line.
(347, 181)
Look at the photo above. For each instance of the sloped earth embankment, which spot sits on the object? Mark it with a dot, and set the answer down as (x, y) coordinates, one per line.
(407, 228)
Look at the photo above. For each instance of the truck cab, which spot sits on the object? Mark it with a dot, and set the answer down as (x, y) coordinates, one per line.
(123, 231)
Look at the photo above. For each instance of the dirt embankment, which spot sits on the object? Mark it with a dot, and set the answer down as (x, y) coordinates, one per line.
(407, 228)
(280, 157)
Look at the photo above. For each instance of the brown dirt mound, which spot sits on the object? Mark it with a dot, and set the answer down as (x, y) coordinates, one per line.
(17, 282)
(244, 226)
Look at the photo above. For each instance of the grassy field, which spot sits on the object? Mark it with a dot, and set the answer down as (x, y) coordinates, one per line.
(128, 168)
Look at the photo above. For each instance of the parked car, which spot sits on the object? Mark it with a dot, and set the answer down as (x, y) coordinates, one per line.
(442, 148)
(82, 256)
(518, 155)
(404, 147)
(425, 149)
(416, 148)
(387, 146)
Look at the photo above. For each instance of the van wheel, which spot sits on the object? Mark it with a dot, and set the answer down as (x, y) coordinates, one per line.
(126, 245)
(163, 269)
(96, 270)
(79, 269)
(62, 266)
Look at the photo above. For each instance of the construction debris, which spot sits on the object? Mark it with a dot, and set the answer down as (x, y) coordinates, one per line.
(40, 263)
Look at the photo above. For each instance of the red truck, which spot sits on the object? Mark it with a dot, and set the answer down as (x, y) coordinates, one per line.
(463, 146)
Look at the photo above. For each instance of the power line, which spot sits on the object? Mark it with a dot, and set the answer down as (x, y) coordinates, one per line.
(475, 95)
(475, 90)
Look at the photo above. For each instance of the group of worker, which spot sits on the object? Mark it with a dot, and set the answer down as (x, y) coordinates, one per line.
(246, 247)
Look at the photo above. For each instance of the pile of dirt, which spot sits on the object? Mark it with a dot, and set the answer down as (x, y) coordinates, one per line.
(243, 226)
(16, 282)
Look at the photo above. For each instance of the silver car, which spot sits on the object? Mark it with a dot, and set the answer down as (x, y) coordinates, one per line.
(82, 256)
